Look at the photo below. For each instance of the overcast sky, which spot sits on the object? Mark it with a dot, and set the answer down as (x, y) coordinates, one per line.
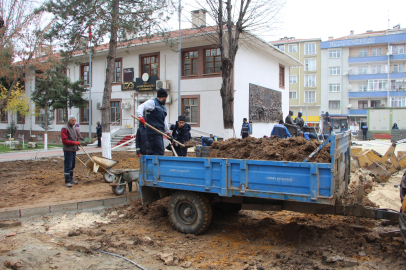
(323, 18)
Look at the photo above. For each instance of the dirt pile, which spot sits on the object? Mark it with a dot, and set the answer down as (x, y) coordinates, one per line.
(293, 149)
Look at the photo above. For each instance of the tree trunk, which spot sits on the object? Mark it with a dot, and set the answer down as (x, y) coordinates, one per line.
(106, 137)
(46, 127)
(226, 93)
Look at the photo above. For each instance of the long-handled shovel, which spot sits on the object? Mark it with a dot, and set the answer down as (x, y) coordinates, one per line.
(163, 134)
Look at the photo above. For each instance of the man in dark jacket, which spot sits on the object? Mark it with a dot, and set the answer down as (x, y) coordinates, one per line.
(280, 130)
(70, 142)
(364, 128)
(141, 141)
(245, 129)
(181, 133)
(98, 133)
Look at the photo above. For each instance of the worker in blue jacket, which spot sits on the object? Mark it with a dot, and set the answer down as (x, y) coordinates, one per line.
(364, 128)
(141, 141)
(181, 133)
(246, 128)
(280, 130)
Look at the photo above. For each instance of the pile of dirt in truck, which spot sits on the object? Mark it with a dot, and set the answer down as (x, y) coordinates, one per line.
(293, 149)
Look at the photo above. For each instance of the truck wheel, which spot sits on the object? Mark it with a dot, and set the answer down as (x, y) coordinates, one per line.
(189, 212)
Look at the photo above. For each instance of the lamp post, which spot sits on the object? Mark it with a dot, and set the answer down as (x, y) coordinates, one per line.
(388, 84)
(180, 62)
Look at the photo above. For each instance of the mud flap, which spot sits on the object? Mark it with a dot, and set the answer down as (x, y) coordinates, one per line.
(149, 194)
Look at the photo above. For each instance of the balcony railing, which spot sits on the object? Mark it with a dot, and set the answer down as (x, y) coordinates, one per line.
(379, 90)
(372, 73)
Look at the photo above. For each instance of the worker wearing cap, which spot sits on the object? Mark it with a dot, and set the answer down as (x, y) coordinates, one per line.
(70, 142)
(181, 133)
(364, 128)
(280, 130)
(155, 112)
(246, 128)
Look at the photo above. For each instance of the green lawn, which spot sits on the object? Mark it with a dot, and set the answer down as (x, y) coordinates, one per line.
(40, 146)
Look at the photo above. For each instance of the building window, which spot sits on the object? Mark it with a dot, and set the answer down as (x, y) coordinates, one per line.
(335, 87)
(334, 53)
(398, 49)
(293, 79)
(376, 51)
(292, 48)
(334, 70)
(362, 69)
(118, 70)
(377, 85)
(281, 76)
(376, 69)
(398, 102)
(61, 116)
(310, 48)
(212, 61)
(362, 52)
(397, 68)
(281, 47)
(190, 63)
(4, 117)
(362, 87)
(292, 94)
(310, 64)
(115, 111)
(362, 104)
(310, 96)
(310, 80)
(84, 73)
(149, 65)
(190, 109)
(40, 137)
(84, 114)
(20, 118)
(375, 103)
(334, 104)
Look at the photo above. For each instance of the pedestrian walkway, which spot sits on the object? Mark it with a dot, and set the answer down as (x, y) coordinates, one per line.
(27, 155)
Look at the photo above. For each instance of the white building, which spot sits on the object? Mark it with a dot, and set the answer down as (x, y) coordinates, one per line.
(257, 64)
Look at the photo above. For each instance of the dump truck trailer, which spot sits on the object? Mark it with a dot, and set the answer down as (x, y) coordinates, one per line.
(198, 183)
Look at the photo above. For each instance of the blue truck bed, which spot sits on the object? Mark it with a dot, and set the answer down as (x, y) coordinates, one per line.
(320, 183)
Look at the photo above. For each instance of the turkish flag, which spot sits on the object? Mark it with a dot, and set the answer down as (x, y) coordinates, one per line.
(90, 32)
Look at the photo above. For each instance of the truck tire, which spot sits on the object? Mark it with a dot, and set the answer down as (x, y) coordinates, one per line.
(189, 212)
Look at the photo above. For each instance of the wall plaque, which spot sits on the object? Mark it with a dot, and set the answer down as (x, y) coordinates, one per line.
(265, 105)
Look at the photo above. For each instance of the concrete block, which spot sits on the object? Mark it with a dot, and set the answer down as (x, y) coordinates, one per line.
(10, 214)
(134, 197)
(115, 201)
(37, 211)
(64, 207)
(89, 204)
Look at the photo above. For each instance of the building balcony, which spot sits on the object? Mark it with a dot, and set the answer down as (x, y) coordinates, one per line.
(357, 112)
(377, 58)
(377, 76)
(376, 94)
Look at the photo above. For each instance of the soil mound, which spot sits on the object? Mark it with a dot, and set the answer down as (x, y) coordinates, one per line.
(292, 149)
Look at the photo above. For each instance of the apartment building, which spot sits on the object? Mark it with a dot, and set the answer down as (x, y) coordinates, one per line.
(304, 81)
(361, 71)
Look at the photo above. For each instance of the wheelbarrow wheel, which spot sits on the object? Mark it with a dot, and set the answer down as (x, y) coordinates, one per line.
(108, 178)
(189, 212)
(119, 189)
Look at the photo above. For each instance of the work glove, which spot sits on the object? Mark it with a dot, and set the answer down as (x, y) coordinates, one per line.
(77, 143)
(139, 155)
(142, 120)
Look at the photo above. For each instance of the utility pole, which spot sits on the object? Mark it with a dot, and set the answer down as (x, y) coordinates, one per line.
(90, 82)
(180, 61)
(388, 84)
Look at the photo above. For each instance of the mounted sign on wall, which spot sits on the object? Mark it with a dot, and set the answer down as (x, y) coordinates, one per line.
(145, 83)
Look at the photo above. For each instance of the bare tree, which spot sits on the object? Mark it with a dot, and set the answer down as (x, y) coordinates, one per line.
(21, 42)
(235, 20)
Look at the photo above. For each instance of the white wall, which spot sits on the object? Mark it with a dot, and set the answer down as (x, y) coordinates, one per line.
(261, 69)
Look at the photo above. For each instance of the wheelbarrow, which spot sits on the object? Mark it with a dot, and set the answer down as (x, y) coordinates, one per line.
(124, 177)
(99, 165)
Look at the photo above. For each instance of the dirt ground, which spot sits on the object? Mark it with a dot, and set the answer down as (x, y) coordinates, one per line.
(246, 240)
(292, 149)
(41, 182)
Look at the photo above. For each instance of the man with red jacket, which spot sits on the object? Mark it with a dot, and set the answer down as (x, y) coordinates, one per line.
(70, 146)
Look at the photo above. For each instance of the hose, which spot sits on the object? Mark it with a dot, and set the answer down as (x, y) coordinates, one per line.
(112, 254)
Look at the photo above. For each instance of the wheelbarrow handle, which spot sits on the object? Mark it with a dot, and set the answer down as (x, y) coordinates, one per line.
(160, 132)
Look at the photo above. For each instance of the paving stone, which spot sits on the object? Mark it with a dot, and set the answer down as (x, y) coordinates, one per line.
(115, 201)
(37, 211)
(64, 207)
(89, 204)
(134, 197)
(10, 214)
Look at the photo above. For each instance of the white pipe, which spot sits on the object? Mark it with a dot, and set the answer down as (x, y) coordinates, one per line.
(123, 143)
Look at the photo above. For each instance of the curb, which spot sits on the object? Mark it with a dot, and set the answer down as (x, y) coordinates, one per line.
(59, 208)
